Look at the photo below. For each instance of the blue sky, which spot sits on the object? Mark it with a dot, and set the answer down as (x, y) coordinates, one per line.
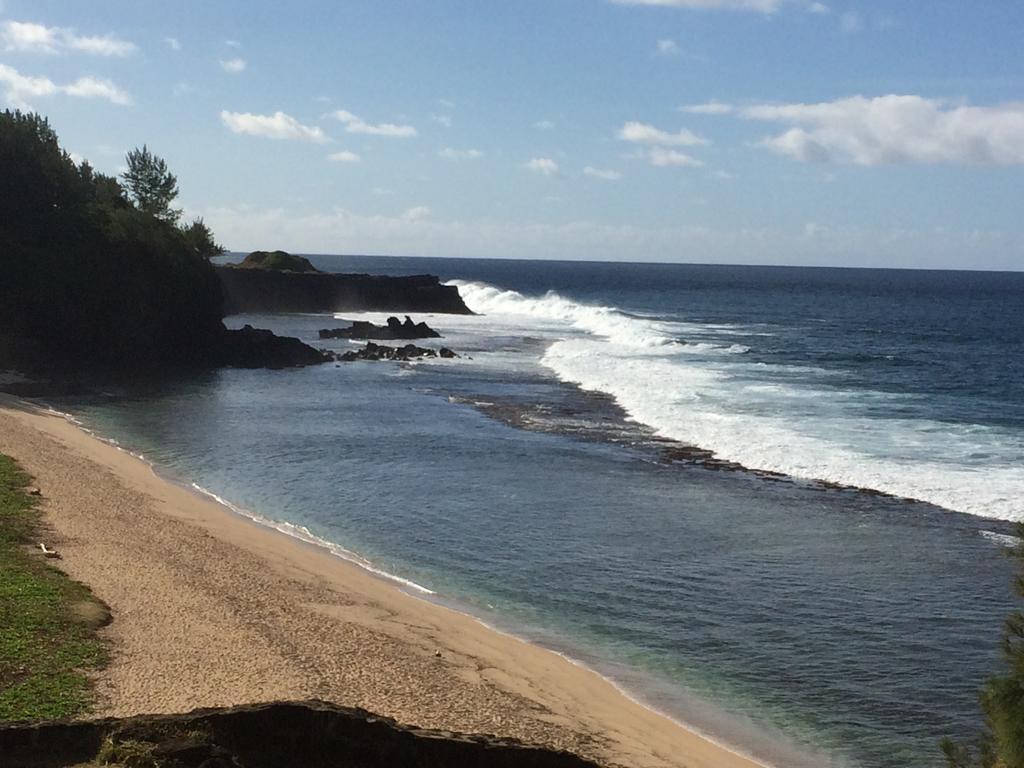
(840, 132)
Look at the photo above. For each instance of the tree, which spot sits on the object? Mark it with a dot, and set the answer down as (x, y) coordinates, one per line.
(151, 185)
(41, 190)
(1002, 700)
(88, 278)
(200, 239)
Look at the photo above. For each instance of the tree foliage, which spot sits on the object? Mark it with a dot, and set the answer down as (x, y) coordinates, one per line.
(200, 239)
(87, 276)
(1002, 700)
(150, 184)
(40, 187)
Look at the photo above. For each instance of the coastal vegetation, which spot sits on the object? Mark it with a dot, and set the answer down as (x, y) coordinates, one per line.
(94, 270)
(278, 261)
(48, 644)
(1002, 699)
(152, 187)
(98, 274)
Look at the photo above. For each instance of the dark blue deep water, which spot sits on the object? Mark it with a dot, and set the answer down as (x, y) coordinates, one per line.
(541, 481)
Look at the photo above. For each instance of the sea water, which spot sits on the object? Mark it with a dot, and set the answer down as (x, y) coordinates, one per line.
(542, 481)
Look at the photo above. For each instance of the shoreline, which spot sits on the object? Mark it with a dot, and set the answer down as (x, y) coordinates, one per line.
(594, 715)
(415, 591)
(305, 537)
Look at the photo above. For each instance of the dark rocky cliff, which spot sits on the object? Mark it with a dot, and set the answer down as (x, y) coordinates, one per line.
(312, 734)
(254, 290)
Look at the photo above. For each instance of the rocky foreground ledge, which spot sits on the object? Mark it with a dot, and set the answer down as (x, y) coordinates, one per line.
(312, 734)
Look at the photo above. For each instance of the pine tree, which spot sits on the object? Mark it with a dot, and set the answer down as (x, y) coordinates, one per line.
(152, 187)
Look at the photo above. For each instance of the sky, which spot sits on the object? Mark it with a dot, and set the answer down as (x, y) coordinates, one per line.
(840, 132)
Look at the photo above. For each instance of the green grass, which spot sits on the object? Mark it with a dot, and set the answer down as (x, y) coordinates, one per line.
(46, 647)
(129, 753)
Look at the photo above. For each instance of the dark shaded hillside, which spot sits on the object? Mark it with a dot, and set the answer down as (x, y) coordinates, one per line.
(256, 290)
(91, 277)
(311, 734)
(86, 275)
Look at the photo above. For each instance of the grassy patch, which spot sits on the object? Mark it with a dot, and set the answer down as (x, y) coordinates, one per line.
(46, 646)
(157, 748)
(127, 752)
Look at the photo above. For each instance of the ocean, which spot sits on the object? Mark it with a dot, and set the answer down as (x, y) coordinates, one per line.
(822, 584)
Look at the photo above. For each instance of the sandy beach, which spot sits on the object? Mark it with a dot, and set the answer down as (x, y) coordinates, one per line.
(212, 609)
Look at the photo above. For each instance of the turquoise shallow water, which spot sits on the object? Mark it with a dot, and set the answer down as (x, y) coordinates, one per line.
(810, 627)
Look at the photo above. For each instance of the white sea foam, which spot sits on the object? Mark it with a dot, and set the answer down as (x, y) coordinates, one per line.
(792, 420)
(302, 533)
(601, 321)
(1001, 539)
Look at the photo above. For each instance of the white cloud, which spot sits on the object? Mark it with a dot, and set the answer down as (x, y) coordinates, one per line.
(448, 153)
(446, 103)
(173, 43)
(344, 157)
(232, 44)
(818, 8)
(419, 213)
(761, 6)
(275, 126)
(444, 120)
(545, 166)
(95, 88)
(234, 66)
(107, 45)
(599, 173)
(896, 129)
(724, 175)
(667, 48)
(354, 124)
(641, 133)
(708, 108)
(544, 125)
(664, 158)
(27, 37)
(18, 88)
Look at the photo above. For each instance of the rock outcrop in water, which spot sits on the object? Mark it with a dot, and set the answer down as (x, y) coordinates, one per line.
(361, 329)
(312, 734)
(383, 352)
(257, 348)
(267, 291)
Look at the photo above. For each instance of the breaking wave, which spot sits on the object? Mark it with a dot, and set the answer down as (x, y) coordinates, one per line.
(678, 380)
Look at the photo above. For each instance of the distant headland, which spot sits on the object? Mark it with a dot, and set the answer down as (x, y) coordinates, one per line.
(276, 261)
(278, 281)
